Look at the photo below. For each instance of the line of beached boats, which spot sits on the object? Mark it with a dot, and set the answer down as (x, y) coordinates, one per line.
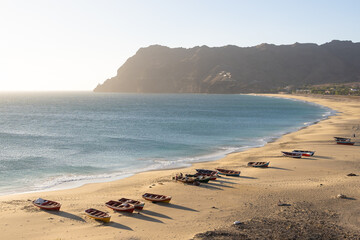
(128, 205)
(205, 175)
(121, 205)
(305, 153)
(201, 176)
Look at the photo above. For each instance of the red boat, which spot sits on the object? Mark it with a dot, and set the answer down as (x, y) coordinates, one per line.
(137, 204)
(305, 153)
(345, 142)
(156, 197)
(228, 172)
(119, 206)
(292, 154)
(258, 164)
(47, 204)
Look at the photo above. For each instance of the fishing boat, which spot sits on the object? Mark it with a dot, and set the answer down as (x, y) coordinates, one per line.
(347, 142)
(206, 171)
(228, 172)
(258, 164)
(202, 176)
(341, 139)
(120, 206)
(156, 197)
(203, 179)
(137, 204)
(98, 215)
(304, 153)
(211, 176)
(188, 180)
(199, 178)
(344, 141)
(292, 154)
(47, 204)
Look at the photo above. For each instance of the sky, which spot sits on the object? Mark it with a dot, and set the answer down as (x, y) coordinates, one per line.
(73, 45)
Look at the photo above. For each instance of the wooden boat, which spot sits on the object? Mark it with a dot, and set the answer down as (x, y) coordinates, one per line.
(47, 204)
(120, 206)
(202, 176)
(98, 215)
(305, 153)
(199, 178)
(228, 172)
(202, 179)
(342, 139)
(188, 180)
(211, 176)
(345, 142)
(156, 197)
(137, 204)
(206, 171)
(292, 154)
(258, 164)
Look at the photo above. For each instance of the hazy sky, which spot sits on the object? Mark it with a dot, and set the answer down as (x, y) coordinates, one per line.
(76, 44)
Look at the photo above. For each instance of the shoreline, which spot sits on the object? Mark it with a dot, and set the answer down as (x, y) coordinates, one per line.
(183, 164)
(286, 179)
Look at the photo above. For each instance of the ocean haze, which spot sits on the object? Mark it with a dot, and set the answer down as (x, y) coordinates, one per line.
(55, 139)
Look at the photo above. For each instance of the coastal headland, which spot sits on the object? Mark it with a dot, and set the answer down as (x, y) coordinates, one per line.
(307, 188)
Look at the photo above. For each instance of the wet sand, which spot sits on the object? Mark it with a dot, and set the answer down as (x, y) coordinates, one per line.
(308, 185)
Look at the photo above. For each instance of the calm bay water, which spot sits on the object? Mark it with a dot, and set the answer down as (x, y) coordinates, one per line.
(59, 140)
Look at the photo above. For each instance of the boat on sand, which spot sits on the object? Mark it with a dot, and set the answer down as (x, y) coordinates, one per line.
(292, 154)
(344, 141)
(156, 197)
(47, 204)
(137, 204)
(341, 138)
(206, 171)
(188, 180)
(305, 153)
(202, 177)
(120, 206)
(258, 164)
(211, 177)
(228, 172)
(98, 215)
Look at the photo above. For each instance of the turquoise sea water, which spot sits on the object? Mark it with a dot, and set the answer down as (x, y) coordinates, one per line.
(60, 140)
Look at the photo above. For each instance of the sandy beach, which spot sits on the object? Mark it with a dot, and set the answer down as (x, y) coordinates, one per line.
(308, 186)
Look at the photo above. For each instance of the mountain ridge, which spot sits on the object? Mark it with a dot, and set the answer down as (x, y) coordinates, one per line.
(232, 69)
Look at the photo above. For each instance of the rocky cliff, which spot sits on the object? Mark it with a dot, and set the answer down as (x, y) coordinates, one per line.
(232, 69)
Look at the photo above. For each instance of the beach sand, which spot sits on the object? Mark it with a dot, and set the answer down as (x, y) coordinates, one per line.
(308, 186)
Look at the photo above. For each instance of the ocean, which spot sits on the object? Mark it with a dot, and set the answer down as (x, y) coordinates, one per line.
(61, 140)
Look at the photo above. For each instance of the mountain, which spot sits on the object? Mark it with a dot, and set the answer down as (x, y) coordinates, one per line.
(232, 69)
